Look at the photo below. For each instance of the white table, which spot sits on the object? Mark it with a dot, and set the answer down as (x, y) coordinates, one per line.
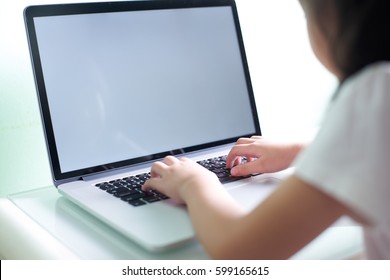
(40, 224)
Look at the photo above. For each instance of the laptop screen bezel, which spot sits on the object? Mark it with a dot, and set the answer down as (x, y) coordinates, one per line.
(32, 12)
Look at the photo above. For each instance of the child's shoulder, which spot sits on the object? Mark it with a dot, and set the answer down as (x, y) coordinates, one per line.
(370, 83)
(372, 74)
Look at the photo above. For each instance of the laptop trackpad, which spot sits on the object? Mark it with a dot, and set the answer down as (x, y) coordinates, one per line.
(254, 190)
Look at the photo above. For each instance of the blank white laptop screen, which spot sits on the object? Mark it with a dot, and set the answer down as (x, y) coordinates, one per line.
(130, 84)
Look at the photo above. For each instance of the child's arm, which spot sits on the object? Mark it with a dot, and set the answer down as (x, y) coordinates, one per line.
(281, 225)
(292, 216)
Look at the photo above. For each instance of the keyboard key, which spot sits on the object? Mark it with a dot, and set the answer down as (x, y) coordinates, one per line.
(136, 202)
(151, 199)
(125, 192)
(135, 196)
(229, 179)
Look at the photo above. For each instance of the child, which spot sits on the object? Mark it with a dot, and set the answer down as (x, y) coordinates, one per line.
(344, 171)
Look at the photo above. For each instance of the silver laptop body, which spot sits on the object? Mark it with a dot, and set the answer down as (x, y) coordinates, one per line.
(123, 84)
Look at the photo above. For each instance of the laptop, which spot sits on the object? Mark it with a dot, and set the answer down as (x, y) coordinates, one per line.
(123, 84)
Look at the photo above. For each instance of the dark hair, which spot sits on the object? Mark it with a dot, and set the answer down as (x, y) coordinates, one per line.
(362, 31)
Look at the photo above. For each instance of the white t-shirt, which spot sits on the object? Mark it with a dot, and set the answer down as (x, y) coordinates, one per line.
(350, 157)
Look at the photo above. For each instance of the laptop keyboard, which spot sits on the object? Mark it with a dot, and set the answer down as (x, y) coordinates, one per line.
(129, 189)
(217, 165)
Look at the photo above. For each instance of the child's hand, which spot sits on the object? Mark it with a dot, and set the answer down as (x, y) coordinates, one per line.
(176, 178)
(262, 156)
